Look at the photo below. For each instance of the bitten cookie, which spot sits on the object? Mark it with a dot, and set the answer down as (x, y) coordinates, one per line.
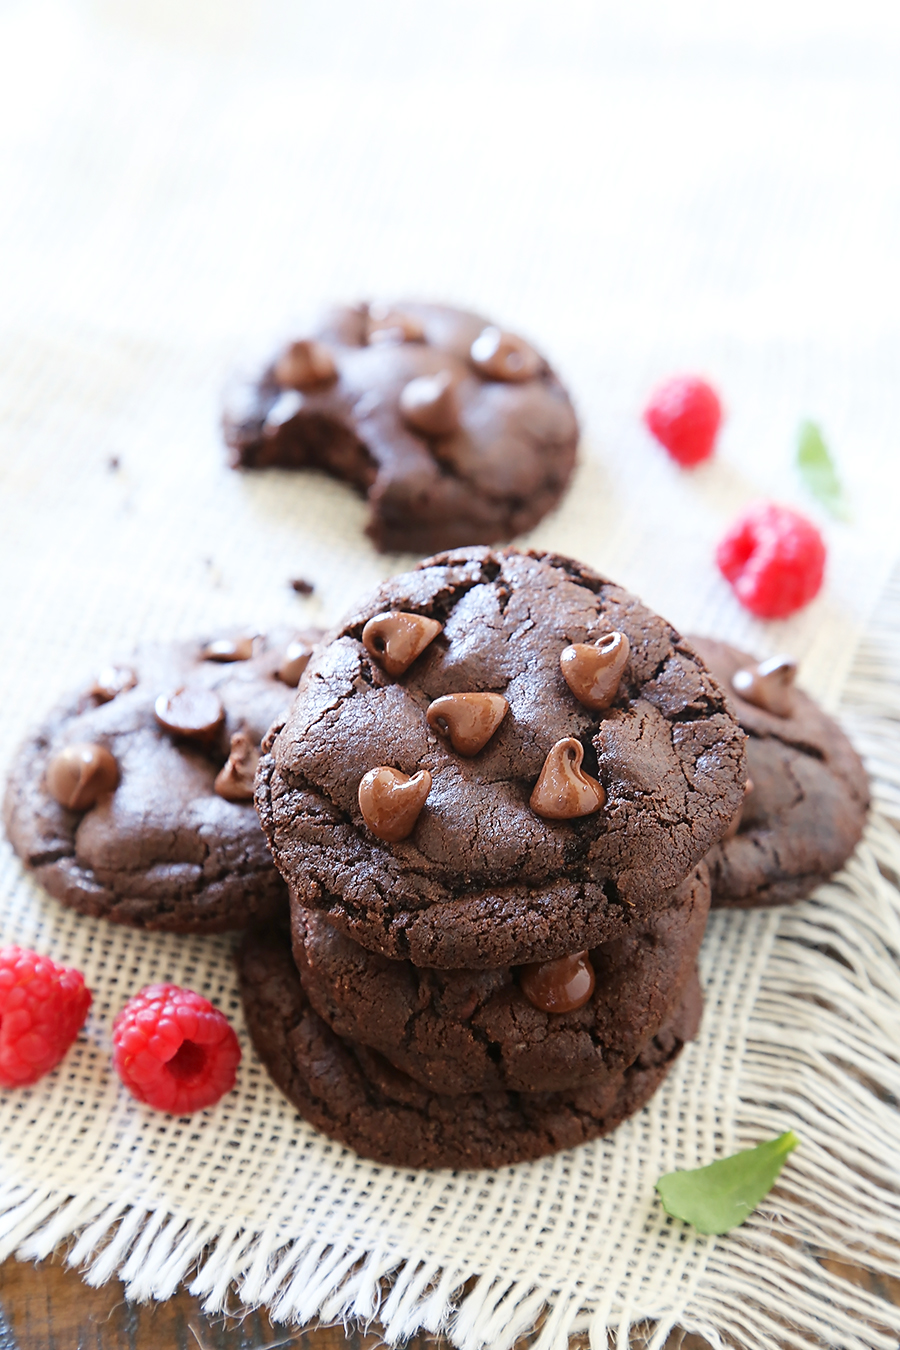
(457, 432)
(134, 800)
(542, 1028)
(357, 1097)
(499, 758)
(806, 806)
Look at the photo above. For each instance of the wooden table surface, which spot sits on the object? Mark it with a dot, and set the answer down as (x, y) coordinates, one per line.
(49, 1307)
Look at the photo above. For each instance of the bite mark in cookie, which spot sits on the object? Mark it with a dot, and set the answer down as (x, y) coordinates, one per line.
(457, 432)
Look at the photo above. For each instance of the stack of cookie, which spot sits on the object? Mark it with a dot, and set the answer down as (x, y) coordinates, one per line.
(490, 801)
(503, 799)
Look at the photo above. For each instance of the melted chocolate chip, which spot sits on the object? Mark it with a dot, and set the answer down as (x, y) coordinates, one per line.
(296, 659)
(396, 638)
(770, 686)
(81, 774)
(593, 670)
(428, 404)
(558, 986)
(564, 790)
(392, 325)
(111, 681)
(391, 801)
(469, 720)
(190, 711)
(503, 356)
(234, 781)
(305, 365)
(229, 649)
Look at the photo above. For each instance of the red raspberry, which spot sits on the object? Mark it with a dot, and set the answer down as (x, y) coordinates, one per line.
(774, 559)
(42, 1009)
(684, 415)
(174, 1050)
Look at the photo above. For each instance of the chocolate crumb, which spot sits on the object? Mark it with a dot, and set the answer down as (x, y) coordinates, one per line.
(301, 586)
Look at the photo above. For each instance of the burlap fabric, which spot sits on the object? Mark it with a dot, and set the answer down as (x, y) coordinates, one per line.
(638, 194)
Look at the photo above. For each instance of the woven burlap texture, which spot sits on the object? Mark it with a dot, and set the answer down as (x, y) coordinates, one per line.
(639, 195)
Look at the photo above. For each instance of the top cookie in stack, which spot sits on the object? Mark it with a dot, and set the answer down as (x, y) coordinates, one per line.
(501, 757)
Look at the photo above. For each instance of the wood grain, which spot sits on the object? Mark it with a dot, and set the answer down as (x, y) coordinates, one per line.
(49, 1307)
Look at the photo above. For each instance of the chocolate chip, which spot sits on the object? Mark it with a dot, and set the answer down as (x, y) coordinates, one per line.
(558, 986)
(234, 781)
(111, 681)
(428, 404)
(296, 659)
(592, 670)
(81, 774)
(396, 638)
(391, 801)
(301, 586)
(305, 365)
(190, 711)
(469, 720)
(563, 790)
(229, 649)
(503, 356)
(392, 325)
(770, 686)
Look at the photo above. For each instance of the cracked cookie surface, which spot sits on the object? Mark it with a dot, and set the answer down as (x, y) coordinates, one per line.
(490, 456)
(482, 880)
(459, 1031)
(807, 809)
(356, 1096)
(163, 850)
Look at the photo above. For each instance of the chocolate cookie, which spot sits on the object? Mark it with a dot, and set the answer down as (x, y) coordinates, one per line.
(357, 1097)
(806, 806)
(442, 792)
(459, 1031)
(457, 432)
(134, 801)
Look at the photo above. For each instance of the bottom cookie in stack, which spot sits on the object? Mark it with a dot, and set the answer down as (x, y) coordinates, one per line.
(428, 1068)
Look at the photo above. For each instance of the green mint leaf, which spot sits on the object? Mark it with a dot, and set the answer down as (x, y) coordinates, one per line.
(817, 470)
(722, 1195)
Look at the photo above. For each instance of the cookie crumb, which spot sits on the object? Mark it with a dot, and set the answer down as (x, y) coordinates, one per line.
(301, 586)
